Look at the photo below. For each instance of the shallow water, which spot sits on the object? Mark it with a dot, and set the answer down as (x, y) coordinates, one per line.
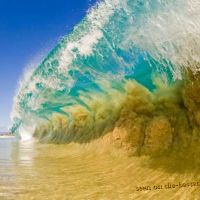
(29, 170)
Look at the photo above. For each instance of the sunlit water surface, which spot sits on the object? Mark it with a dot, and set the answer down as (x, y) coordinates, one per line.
(29, 170)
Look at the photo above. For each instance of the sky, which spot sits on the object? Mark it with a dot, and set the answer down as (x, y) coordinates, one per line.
(28, 30)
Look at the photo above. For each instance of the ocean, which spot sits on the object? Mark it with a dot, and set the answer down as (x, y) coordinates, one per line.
(114, 108)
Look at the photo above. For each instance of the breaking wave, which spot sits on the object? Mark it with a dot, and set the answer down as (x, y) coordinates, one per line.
(128, 73)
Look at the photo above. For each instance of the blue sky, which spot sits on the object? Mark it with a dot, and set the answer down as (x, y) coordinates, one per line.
(29, 29)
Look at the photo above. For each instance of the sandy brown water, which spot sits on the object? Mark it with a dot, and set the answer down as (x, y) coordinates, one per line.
(29, 170)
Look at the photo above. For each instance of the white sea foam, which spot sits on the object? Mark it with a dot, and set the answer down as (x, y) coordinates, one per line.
(172, 32)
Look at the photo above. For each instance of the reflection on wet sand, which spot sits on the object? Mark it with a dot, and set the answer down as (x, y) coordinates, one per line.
(45, 171)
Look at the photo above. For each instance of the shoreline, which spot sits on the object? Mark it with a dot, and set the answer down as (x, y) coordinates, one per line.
(7, 136)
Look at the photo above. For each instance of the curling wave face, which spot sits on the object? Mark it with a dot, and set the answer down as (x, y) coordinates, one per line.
(128, 73)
